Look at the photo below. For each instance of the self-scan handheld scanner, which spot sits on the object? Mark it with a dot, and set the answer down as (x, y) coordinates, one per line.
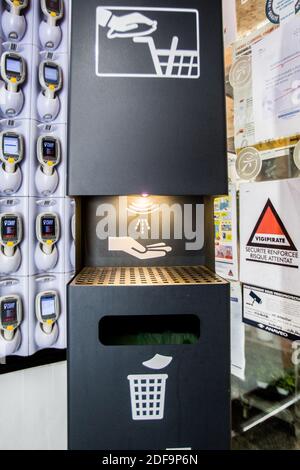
(48, 153)
(11, 233)
(53, 10)
(13, 22)
(50, 76)
(13, 73)
(11, 154)
(51, 80)
(50, 32)
(47, 231)
(13, 70)
(47, 310)
(10, 315)
(12, 150)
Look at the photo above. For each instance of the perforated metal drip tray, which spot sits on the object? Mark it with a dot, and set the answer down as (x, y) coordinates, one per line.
(146, 276)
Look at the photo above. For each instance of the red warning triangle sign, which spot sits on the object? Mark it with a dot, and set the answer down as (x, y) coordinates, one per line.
(270, 224)
(270, 231)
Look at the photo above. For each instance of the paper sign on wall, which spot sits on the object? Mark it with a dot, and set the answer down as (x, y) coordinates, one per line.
(278, 11)
(229, 22)
(241, 80)
(270, 235)
(272, 311)
(276, 82)
(225, 214)
(238, 358)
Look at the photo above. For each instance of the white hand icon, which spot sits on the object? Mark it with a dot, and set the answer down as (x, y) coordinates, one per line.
(132, 247)
(126, 26)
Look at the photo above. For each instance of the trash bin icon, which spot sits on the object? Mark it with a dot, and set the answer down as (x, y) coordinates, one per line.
(147, 394)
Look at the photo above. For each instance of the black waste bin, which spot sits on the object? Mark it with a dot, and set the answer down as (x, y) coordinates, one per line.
(149, 359)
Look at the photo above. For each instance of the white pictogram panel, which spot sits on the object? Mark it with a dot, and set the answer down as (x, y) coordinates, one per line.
(147, 42)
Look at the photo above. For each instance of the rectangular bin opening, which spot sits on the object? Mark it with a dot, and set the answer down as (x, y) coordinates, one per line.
(149, 330)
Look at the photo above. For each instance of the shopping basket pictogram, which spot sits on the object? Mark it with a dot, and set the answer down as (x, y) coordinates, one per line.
(172, 62)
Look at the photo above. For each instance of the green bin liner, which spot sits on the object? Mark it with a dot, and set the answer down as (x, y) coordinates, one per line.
(144, 339)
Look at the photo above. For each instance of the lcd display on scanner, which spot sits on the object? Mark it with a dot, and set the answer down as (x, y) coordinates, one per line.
(11, 145)
(9, 229)
(48, 228)
(9, 312)
(51, 75)
(13, 66)
(48, 307)
(53, 5)
(49, 150)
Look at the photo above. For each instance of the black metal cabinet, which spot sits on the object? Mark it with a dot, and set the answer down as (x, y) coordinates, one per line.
(147, 110)
(147, 117)
(104, 411)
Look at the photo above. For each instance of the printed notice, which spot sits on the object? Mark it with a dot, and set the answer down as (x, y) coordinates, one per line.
(229, 22)
(270, 235)
(241, 80)
(238, 357)
(276, 83)
(278, 11)
(226, 253)
(270, 241)
(272, 311)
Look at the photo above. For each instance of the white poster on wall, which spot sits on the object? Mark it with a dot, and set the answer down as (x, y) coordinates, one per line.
(233, 177)
(278, 11)
(276, 83)
(226, 252)
(272, 311)
(270, 235)
(229, 22)
(241, 80)
(238, 359)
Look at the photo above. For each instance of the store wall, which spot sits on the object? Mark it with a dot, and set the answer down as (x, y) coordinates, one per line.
(34, 409)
